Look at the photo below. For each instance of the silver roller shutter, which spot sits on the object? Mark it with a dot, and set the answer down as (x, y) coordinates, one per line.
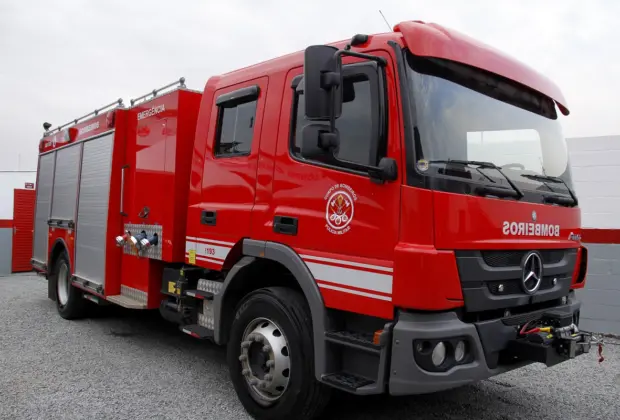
(93, 209)
(45, 182)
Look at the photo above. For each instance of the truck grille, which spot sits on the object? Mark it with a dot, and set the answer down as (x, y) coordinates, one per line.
(482, 272)
(514, 258)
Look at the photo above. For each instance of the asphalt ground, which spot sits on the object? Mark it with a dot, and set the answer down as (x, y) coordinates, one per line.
(132, 365)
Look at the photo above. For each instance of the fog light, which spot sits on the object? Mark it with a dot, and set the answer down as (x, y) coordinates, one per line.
(459, 351)
(439, 354)
(564, 300)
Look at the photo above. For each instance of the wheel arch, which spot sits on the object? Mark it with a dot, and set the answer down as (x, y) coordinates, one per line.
(281, 266)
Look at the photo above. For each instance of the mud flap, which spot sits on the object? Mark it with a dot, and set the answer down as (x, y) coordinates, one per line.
(51, 286)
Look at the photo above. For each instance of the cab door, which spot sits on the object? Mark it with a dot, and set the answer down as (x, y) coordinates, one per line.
(343, 225)
(229, 174)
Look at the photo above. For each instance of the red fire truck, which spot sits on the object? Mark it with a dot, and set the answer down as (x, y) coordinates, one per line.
(389, 214)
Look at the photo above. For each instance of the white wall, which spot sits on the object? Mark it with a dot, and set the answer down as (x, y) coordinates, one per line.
(596, 174)
(595, 163)
(8, 182)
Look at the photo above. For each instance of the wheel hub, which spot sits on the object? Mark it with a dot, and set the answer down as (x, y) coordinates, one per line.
(265, 361)
(63, 285)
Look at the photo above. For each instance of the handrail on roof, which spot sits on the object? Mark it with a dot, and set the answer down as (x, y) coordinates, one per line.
(154, 92)
(118, 103)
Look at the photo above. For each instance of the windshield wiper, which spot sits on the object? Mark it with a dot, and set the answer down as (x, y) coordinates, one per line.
(555, 179)
(484, 165)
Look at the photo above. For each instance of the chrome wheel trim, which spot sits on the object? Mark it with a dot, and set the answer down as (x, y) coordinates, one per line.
(265, 360)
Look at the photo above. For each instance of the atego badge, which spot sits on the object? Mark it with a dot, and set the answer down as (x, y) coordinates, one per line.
(340, 208)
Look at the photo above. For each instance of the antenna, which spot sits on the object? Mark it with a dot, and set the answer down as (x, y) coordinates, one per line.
(385, 20)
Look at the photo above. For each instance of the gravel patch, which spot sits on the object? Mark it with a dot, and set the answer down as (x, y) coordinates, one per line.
(133, 365)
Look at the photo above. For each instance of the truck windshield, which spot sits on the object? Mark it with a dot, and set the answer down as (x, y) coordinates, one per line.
(467, 114)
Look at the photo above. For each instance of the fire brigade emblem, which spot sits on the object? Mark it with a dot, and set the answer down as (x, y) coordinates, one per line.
(340, 209)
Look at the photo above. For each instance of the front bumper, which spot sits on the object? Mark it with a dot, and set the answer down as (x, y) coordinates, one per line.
(488, 344)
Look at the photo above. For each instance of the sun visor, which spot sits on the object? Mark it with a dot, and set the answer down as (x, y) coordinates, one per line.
(432, 40)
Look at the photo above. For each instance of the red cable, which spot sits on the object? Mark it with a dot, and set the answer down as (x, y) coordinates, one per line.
(522, 332)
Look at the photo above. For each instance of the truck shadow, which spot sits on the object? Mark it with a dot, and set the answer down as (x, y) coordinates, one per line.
(483, 400)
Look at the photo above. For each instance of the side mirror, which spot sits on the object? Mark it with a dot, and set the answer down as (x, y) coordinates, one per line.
(387, 170)
(322, 83)
(317, 140)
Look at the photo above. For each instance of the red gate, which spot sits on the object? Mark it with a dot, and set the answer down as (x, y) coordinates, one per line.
(23, 229)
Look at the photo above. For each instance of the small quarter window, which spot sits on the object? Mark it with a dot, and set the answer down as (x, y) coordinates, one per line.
(235, 125)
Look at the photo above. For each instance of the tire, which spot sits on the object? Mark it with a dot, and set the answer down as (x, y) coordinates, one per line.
(70, 302)
(302, 397)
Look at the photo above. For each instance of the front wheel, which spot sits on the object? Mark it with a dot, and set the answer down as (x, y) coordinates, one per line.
(271, 356)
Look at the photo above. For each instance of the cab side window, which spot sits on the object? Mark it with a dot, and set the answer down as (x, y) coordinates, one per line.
(359, 126)
(235, 123)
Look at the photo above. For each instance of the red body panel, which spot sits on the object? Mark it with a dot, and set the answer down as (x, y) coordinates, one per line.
(23, 229)
(67, 236)
(157, 154)
(424, 278)
(468, 222)
(114, 253)
(229, 184)
(83, 130)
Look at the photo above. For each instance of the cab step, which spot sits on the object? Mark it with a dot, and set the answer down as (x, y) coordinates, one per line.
(346, 381)
(199, 294)
(361, 341)
(130, 298)
(197, 331)
(127, 302)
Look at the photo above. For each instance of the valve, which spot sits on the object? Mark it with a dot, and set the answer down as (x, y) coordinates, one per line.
(137, 240)
(121, 240)
(150, 241)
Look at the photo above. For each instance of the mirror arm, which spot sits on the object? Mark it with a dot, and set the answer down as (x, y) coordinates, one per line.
(332, 116)
(379, 60)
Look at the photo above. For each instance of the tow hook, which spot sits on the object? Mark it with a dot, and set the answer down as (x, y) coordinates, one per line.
(600, 344)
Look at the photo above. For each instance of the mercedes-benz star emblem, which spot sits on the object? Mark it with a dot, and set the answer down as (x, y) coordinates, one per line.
(532, 272)
(534, 215)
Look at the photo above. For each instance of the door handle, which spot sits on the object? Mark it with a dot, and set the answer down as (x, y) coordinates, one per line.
(285, 225)
(208, 217)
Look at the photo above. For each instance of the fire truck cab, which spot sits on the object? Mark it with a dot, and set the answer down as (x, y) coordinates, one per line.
(390, 214)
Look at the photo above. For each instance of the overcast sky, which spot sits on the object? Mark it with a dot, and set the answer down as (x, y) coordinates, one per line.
(62, 59)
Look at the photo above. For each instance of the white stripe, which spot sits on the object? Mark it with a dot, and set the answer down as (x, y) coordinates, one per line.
(208, 250)
(350, 263)
(355, 292)
(209, 260)
(191, 238)
(350, 277)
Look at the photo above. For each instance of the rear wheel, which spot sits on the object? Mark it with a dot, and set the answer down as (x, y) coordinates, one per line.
(69, 299)
(271, 356)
